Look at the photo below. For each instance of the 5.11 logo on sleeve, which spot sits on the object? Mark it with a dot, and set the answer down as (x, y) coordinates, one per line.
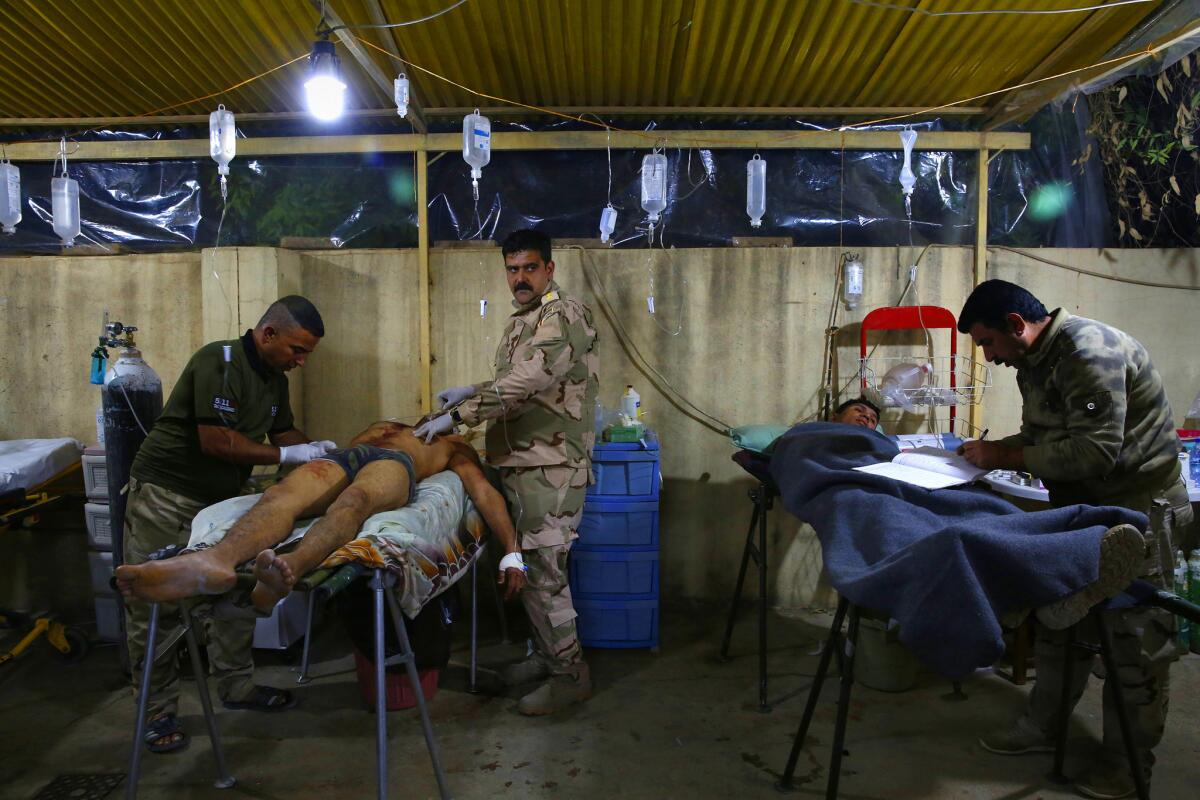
(223, 405)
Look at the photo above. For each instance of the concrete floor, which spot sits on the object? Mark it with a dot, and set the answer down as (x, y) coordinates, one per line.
(666, 725)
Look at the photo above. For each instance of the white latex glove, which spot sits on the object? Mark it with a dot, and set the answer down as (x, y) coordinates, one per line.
(443, 423)
(303, 453)
(454, 395)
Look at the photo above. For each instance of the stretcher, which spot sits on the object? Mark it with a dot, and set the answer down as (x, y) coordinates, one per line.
(409, 555)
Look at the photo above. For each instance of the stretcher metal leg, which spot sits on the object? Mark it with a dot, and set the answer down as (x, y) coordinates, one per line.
(139, 727)
(1064, 711)
(1111, 675)
(308, 623)
(814, 693)
(839, 730)
(410, 664)
(224, 779)
(741, 578)
(474, 622)
(765, 499)
(380, 689)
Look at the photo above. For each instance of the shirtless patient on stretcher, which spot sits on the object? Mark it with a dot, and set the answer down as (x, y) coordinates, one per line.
(381, 481)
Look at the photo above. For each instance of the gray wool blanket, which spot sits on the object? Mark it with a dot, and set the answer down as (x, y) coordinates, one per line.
(944, 563)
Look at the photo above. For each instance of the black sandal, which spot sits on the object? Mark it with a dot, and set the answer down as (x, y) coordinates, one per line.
(163, 728)
(265, 698)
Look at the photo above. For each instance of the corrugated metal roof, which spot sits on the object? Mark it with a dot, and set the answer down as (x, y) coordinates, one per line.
(79, 58)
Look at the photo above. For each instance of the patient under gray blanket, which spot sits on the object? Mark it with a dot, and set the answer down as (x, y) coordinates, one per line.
(945, 563)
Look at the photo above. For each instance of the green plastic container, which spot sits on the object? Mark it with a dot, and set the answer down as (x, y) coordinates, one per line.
(624, 433)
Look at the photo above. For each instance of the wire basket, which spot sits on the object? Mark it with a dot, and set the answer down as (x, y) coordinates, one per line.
(953, 381)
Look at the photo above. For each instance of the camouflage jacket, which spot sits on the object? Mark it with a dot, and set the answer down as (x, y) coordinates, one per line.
(1095, 423)
(540, 405)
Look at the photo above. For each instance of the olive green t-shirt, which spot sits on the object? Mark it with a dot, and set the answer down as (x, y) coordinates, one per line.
(245, 395)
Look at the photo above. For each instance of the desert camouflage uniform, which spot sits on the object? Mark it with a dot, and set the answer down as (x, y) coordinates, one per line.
(154, 518)
(540, 434)
(1096, 428)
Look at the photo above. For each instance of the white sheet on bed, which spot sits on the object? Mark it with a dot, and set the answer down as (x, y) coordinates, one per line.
(24, 463)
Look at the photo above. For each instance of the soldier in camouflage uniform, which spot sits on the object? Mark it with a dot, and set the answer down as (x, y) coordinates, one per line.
(1097, 429)
(540, 434)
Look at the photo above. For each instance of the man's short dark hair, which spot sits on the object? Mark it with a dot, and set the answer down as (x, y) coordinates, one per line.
(858, 401)
(294, 310)
(527, 239)
(992, 301)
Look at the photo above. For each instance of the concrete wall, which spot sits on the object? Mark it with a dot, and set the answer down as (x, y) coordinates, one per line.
(739, 333)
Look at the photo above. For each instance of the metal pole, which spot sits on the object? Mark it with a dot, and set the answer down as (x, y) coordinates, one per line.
(839, 730)
(139, 727)
(224, 779)
(1113, 679)
(312, 603)
(763, 706)
(474, 619)
(380, 690)
(756, 496)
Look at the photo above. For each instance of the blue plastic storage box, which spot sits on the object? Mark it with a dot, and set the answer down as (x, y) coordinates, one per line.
(616, 523)
(627, 470)
(609, 571)
(617, 623)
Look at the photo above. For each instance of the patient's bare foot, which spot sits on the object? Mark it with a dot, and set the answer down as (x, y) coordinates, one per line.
(175, 578)
(275, 580)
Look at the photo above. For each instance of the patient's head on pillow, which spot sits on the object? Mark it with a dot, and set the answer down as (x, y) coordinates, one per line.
(859, 411)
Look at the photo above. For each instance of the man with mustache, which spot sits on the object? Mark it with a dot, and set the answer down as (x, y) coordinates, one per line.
(540, 435)
(1097, 429)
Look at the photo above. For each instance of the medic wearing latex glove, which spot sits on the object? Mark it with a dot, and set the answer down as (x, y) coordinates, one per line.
(440, 425)
(303, 453)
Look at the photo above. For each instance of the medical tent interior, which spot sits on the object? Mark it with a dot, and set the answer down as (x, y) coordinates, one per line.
(659, 249)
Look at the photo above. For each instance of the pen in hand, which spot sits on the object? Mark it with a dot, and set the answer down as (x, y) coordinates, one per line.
(983, 435)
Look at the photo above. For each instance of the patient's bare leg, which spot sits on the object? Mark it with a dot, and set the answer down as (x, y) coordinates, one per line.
(308, 490)
(379, 486)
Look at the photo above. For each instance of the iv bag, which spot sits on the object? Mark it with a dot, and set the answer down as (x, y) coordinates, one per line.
(64, 203)
(477, 143)
(400, 94)
(10, 197)
(654, 185)
(756, 190)
(608, 223)
(852, 282)
(222, 138)
(908, 181)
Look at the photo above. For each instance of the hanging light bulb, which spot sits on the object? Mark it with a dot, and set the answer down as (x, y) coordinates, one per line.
(400, 91)
(654, 186)
(756, 190)
(222, 143)
(908, 181)
(64, 202)
(852, 281)
(477, 145)
(324, 92)
(608, 222)
(10, 196)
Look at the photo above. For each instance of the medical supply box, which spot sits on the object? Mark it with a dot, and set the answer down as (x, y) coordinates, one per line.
(614, 566)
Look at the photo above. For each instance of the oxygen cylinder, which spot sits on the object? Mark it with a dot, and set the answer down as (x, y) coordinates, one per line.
(132, 399)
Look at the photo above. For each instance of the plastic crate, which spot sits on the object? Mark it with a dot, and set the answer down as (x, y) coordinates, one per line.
(617, 623)
(601, 573)
(101, 567)
(95, 474)
(616, 523)
(108, 618)
(397, 691)
(627, 470)
(99, 525)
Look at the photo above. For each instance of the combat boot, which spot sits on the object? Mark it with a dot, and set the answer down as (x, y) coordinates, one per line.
(560, 692)
(533, 668)
(1020, 737)
(1109, 781)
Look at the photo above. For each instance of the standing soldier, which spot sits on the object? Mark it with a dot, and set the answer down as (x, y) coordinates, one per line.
(540, 435)
(1096, 427)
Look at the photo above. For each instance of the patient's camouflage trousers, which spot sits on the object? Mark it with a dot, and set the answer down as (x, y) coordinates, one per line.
(154, 518)
(1143, 644)
(546, 504)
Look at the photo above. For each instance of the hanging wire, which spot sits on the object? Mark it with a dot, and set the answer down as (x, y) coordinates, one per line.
(977, 12)
(381, 25)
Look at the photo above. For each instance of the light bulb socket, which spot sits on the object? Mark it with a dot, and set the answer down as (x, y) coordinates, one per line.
(323, 60)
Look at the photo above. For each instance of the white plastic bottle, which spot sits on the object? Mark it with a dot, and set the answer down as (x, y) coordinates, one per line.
(852, 284)
(10, 197)
(756, 190)
(64, 204)
(477, 144)
(901, 380)
(1183, 625)
(654, 185)
(608, 223)
(222, 138)
(631, 403)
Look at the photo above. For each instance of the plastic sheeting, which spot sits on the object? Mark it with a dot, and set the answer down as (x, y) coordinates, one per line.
(813, 197)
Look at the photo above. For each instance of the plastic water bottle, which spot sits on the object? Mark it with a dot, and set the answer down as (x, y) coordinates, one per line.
(1194, 593)
(631, 403)
(902, 379)
(756, 190)
(1183, 626)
